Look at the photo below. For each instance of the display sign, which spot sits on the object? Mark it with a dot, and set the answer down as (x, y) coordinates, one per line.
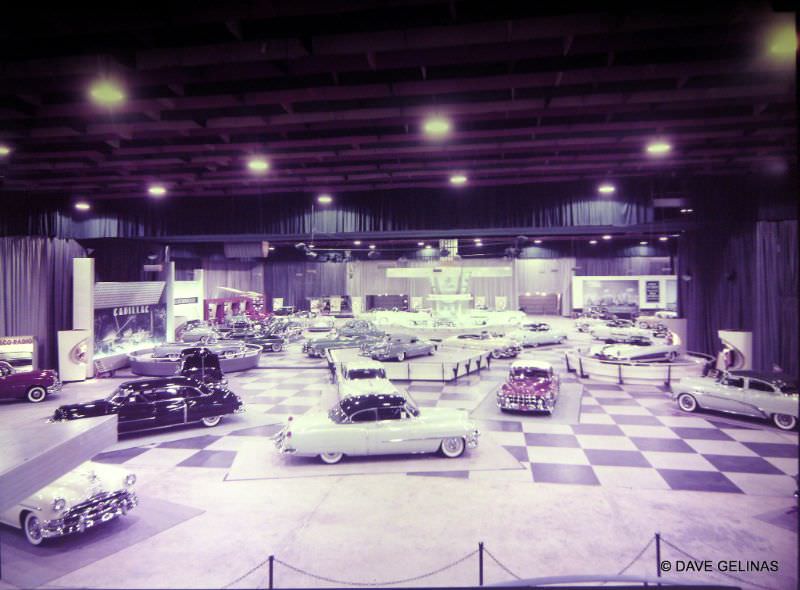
(500, 302)
(416, 302)
(336, 304)
(186, 300)
(314, 305)
(123, 329)
(357, 304)
(277, 303)
(19, 352)
(617, 296)
(652, 291)
(480, 302)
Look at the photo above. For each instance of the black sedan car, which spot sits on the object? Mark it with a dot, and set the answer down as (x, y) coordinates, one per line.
(158, 403)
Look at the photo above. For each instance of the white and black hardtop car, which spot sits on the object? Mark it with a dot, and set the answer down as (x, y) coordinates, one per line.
(771, 396)
(363, 376)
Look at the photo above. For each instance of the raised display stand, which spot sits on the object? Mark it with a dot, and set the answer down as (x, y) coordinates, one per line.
(37, 453)
(446, 364)
(690, 364)
(143, 363)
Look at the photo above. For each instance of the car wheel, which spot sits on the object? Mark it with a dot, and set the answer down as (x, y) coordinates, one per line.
(211, 421)
(453, 447)
(331, 458)
(535, 344)
(32, 528)
(401, 357)
(562, 340)
(229, 354)
(784, 421)
(672, 356)
(687, 403)
(496, 354)
(36, 394)
(174, 357)
(277, 347)
(643, 325)
(430, 352)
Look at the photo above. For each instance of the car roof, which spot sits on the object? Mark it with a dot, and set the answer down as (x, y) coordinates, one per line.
(363, 364)
(140, 384)
(774, 378)
(531, 364)
(354, 403)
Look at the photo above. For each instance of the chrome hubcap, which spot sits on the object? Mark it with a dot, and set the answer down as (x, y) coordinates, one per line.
(37, 394)
(452, 445)
(34, 530)
(784, 420)
(687, 403)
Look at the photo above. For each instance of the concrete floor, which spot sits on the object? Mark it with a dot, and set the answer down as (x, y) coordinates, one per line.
(380, 528)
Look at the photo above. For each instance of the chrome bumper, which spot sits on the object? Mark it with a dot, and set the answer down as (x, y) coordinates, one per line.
(97, 510)
(526, 403)
(472, 439)
(280, 442)
(55, 387)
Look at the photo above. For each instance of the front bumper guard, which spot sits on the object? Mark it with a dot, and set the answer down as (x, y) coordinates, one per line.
(536, 404)
(106, 510)
(472, 439)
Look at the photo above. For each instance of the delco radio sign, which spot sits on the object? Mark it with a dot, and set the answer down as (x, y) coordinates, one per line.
(14, 340)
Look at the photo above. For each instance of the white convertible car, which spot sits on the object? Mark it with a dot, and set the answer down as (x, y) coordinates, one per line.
(612, 332)
(499, 346)
(377, 425)
(89, 495)
(640, 350)
(361, 377)
(538, 337)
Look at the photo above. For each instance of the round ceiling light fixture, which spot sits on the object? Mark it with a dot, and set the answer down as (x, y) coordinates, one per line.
(324, 199)
(436, 126)
(458, 179)
(4, 150)
(82, 206)
(592, 242)
(606, 237)
(156, 190)
(658, 148)
(606, 189)
(258, 164)
(106, 92)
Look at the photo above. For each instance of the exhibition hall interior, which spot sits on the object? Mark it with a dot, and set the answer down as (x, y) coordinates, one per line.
(398, 293)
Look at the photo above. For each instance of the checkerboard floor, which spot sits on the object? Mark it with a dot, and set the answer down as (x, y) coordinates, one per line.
(629, 436)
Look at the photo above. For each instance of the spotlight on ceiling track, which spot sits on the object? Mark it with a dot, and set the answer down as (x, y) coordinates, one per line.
(311, 255)
(643, 243)
(537, 241)
(372, 246)
(4, 150)
(592, 242)
(420, 243)
(658, 148)
(458, 179)
(324, 199)
(107, 93)
(82, 206)
(783, 41)
(663, 239)
(606, 188)
(606, 237)
(156, 190)
(436, 126)
(258, 164)
(300, 245)
(373, 254)
(356, 242)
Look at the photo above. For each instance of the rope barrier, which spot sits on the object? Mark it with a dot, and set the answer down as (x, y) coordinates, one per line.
(635, 559)
(386, 583)
(738, 579)
(247, 573)
(497, 561)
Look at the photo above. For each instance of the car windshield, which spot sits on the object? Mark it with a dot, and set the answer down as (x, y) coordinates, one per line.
(118, 396)
(529, 373)
(411, 405)
(366, 374)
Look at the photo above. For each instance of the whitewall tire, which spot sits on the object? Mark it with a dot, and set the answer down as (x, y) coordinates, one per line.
(36, 394)
(687, 403)
(211, 421)
(672, 356)
(331, 458)
(401, 357)
(453, 447)
(277, 347)
(784, 421)
(32, 527)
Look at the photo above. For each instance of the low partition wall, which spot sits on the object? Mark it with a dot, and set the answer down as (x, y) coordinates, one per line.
(446, 365)
(691, 364)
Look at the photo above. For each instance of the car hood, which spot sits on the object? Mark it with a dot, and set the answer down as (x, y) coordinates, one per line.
(98, 407)
(33, 376)
(539, 387)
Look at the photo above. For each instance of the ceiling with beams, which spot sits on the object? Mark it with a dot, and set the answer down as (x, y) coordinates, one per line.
(334, 95)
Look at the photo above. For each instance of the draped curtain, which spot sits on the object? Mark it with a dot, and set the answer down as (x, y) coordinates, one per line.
(243, 275)
(548, 275)
(295, 282)
(36, 291)
(775, 322)
(631, 265)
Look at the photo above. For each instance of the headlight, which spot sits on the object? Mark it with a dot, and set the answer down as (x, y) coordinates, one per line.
(59, 504)
(130, 479)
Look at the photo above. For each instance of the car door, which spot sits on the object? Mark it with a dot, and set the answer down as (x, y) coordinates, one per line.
(136, 412)
(170, 406)
(10, 384)
(728, 395)
(395, 432)
(416, 348)
(352, 437)
(198, 404)
(766, 400)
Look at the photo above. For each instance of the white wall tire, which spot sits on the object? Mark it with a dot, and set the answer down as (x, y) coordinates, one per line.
(496, 354)
(687, 403)
(453, 447)
(784, 421)
(331, 458)
(401, 357)
(277, 347)
(672, 356)
(36, 394)
(32, 528)
(211, 421)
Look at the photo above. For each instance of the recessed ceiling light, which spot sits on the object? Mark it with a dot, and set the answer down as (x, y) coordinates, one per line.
(458, 179)
(606, 237)
(537, 241)
(436, 126)
(592, 242)
(372, 246)
(685, 211)
(106, 93)
(324, 199)
(258, 164)
(357, 243)
(663, 239)
(606, 188)
(427, 246)
(4, 150)
(420, 243)
(643, 243)
(312, 246)
(783, 40)
(476, 239)
(82, 206)
(658, 148)
(271, 248)
(479, 244)
(156, 190)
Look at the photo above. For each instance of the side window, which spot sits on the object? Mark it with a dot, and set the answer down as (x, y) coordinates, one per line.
(393, 413)
(5, 371)
(412, 341)
(733, 381)
(363, 416)
(140, 397)
(189, 392)
(761, 386)
(166, 393)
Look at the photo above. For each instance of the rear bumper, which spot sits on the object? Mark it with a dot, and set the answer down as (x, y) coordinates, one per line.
(472, 439)
(55, 387)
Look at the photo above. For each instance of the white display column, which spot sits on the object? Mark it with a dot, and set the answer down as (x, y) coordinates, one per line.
(737, 349)
(169, 279)
(83, 305)
(677, 326)
(72, 347)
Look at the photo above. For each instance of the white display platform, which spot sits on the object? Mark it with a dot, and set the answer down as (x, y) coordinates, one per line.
(691, 364)
(37, 453)
(446, 364)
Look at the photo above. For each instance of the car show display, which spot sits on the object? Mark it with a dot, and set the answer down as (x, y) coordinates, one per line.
(398, 348)
(501, 347)
(362, 377)
(531, 386)
(33, 386)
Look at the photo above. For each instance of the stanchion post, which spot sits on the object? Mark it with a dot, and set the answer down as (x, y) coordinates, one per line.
(669, 376)
(480, 563)
(271, 569)
(658, 554)
(619, 374)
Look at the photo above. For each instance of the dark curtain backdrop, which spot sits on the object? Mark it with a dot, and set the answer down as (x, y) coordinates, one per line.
(244, 275)
(36, 291)
(296, 281)
(716, 269)
(775, 323)
(538, 206)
